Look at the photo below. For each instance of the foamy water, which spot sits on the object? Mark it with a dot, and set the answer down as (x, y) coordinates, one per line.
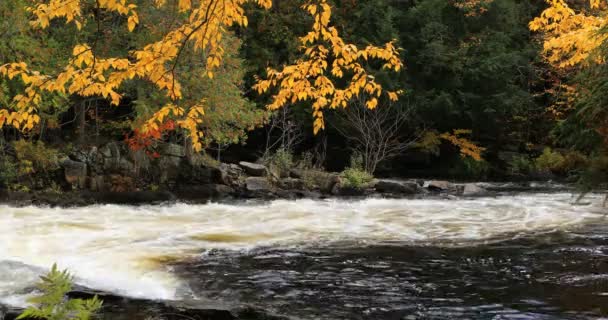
(121, 249)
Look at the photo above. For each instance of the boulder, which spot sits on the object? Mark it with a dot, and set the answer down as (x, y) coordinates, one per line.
(205, 192)
(292, 184)
(110, 150)
(121, 183)
(342, 191)
(396, 187)
(172, 149)
(75, 173)
(437, 185)
(257, 184)
(296, 173)
(230, 174)
(253, 169)
(97, 183)
(199, 174)
(169, 168)
(471, 189)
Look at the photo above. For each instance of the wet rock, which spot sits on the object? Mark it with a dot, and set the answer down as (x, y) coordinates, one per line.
(205, 192)
(471, 189)
(75, 173)
(199, 174)
(396, 187)
(253, 169)
(257, 184)
(437, 185)
(345, 191)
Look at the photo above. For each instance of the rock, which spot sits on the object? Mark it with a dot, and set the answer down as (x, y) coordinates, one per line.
(172, 149)
(230, 174)
(396, 187)
(205, 192)
(342, 191)
(296, 173)
(199, 174)
(121, 183)
(320, 180)
(253, 169)
(169, 168)
(97, 183)
(471, 189)
(258, 184)
(134, 197)
(292, 184)
(75, 173)
(110, 150)
(436, 185)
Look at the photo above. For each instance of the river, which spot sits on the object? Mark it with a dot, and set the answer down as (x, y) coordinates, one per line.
(517, 256)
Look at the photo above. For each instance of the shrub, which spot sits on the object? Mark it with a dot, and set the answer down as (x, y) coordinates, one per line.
(550, 160)
(355, 176)
(8, 171)
(51, 304)
(36, 156)
(469, 168)
(205, 160)
(314, 178)
(280, 162)
(520, 165)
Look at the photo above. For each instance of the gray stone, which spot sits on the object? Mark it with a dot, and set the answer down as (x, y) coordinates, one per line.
(205, 191)
(471, 189)
(342, 191)
(253, 169)
(169, 168)
(172, 149)
(230, 174)
(75, 172)
(396, 187)
(110, 150)
(437, 185)
(258, 184)
(296, 173)
(292, 184)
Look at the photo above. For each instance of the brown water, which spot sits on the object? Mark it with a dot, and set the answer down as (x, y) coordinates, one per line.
(528, 256)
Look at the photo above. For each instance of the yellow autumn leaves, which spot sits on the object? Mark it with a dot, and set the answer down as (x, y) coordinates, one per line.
(203, 24)
(326, 55)
(571, 37)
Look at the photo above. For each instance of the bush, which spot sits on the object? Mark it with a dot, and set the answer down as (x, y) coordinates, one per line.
(469, 168)
(314, 178)
(280, 163)
(550, 160)
(51, 304)
(520, 165)
(8, 171)
(36, 157)
(355, 176)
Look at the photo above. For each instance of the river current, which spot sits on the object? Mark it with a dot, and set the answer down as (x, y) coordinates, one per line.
(522, 256)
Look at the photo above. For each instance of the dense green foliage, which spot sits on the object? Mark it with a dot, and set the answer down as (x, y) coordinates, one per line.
(475, 68)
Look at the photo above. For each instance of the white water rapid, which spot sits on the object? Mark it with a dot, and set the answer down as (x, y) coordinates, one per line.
(121, 249)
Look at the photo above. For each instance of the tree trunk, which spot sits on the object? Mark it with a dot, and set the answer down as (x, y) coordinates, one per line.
(81, 122)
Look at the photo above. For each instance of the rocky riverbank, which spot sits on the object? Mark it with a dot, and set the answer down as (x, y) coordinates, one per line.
(115, 174)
